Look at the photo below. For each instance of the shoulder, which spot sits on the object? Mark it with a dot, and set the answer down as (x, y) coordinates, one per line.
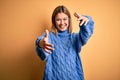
(51, 34)
(74, 35)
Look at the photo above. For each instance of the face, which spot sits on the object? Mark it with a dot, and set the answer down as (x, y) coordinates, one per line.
(62, 21)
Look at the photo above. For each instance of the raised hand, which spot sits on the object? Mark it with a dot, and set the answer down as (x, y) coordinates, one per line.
(45, 44)
(84, 20)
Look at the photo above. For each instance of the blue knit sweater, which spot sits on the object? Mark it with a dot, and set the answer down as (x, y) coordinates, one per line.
(64, 63)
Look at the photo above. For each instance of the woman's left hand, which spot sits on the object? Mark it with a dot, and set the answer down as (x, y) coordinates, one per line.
(84, 20)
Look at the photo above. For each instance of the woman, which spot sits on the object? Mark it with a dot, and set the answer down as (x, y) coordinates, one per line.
(60, 48)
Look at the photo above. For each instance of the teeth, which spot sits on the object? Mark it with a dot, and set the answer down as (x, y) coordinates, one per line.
(61, 26)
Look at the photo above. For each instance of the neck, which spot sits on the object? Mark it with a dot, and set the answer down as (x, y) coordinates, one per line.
(63, 33)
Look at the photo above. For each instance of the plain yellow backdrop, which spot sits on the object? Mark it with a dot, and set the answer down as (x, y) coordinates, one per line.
(22, 21)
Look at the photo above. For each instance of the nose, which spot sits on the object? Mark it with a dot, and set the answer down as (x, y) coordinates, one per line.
(62, 22)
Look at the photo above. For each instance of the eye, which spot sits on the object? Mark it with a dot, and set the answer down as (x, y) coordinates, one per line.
(65, 19)
(57, 19)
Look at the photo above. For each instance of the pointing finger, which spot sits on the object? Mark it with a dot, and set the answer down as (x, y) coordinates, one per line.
(48, 44)
(82, 22)
(86, 22)
(49, 48)
(49, 52)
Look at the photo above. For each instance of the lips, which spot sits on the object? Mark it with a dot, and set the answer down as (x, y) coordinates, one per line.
(63, 26)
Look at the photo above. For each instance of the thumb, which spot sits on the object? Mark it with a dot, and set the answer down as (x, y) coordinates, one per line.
(46, 33)
(76, 15)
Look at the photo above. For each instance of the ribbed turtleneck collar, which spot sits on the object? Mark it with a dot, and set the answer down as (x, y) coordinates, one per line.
(63, 33)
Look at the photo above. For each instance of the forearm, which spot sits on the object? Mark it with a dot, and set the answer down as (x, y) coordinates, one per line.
(86, 30)
(41, 53)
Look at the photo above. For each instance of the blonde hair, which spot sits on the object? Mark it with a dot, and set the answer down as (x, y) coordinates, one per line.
(61, 9)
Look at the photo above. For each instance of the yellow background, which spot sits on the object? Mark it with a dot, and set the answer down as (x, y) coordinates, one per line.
(22, 21)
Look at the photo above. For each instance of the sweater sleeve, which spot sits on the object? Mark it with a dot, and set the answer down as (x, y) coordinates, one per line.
(86, 31)
(41, 53)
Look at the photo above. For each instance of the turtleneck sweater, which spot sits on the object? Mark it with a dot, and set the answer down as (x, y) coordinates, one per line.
(64, 63)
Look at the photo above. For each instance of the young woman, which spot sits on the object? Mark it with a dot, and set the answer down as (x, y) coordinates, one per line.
(60, 48)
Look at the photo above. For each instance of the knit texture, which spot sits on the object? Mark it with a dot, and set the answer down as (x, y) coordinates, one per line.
(64, 63)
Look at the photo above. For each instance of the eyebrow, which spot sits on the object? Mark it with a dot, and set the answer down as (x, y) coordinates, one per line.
(64, 17)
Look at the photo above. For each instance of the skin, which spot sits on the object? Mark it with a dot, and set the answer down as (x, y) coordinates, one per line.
(62, 23)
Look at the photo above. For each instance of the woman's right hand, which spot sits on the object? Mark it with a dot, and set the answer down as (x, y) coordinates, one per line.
(45, 44)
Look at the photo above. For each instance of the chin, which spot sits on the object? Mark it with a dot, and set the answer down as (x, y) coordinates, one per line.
(62, 29)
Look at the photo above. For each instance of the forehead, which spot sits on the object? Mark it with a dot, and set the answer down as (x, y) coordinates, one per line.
(61, 15)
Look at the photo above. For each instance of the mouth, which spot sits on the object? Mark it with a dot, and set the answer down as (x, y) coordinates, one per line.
(63, 26)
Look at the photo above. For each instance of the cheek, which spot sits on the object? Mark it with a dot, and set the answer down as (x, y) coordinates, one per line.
(57, 22)
(67, 22)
